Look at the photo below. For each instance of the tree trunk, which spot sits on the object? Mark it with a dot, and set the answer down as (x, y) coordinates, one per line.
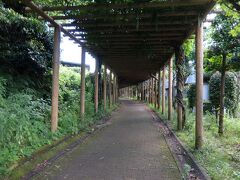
(180, 86)
(222, 95)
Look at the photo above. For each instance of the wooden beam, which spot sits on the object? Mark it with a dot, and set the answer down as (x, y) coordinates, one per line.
(98, 6)
(131, 48)
(133, 29)
(131, 37)
(83, 66)
(199, 86)
(133, 24)
(49, 19)
(158, 41)
(55, 79)
(115, 17)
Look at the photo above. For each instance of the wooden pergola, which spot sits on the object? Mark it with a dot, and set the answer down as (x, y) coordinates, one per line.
(135, 41)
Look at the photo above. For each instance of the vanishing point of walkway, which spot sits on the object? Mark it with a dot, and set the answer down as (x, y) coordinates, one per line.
(130, 148)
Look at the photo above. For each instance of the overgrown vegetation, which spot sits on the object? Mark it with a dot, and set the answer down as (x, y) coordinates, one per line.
(220, 156)
(25, 116)
(231, 92)
(25, 91)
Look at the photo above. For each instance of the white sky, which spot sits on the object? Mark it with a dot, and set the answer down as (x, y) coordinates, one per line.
(71, 52)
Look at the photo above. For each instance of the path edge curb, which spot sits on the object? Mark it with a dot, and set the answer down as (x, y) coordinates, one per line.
(200, 168)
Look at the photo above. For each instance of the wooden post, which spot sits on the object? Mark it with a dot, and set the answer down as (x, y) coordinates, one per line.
(150, 92)
(100, 82)
(55, 79)
(159, 89)
(153, 91)
(96, 87)
(136, 92)
(105, 88)
(110, 89)
(156, 91)
(117, 94)
(114, 87)
(142, 91)
(199, 86)
(180, 84)
(170, 79)
(163, 89)
(83, 66)
(131, 91)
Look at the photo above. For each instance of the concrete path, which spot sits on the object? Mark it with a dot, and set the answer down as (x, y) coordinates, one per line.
(130, 148)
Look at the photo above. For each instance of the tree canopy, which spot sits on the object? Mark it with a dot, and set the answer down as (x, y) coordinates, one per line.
(223, 43)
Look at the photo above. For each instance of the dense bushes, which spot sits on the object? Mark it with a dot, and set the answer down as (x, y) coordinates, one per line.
(25, 115)
(25, 44)
(25, 90)
(191, 94)
(24, 122)
(231, 91)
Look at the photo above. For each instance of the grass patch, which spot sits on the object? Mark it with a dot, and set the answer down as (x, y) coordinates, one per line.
(220, 156)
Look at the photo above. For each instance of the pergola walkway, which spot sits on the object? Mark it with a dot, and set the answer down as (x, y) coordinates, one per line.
(130, 148)
(135, 42)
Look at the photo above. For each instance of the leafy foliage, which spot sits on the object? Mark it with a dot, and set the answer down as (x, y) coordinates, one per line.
(25, 116)
(231, 91)
(191, 96)
(24, 37)
(223, 43)
(25, 87)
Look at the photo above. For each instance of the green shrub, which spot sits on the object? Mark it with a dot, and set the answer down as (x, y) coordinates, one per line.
(25, 115)
(26, 45)
(191, 94)
(25, 90)
(231, 91)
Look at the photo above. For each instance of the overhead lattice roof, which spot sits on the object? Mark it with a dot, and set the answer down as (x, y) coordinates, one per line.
(134, 40)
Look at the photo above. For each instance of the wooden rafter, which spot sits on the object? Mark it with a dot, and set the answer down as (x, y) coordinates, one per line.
(94, 6)
(126, 34)
(126, 16)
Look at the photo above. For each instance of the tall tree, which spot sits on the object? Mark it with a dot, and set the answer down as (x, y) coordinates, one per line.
(222, 50)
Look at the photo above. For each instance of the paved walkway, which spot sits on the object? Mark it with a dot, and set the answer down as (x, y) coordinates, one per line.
(130, 148)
